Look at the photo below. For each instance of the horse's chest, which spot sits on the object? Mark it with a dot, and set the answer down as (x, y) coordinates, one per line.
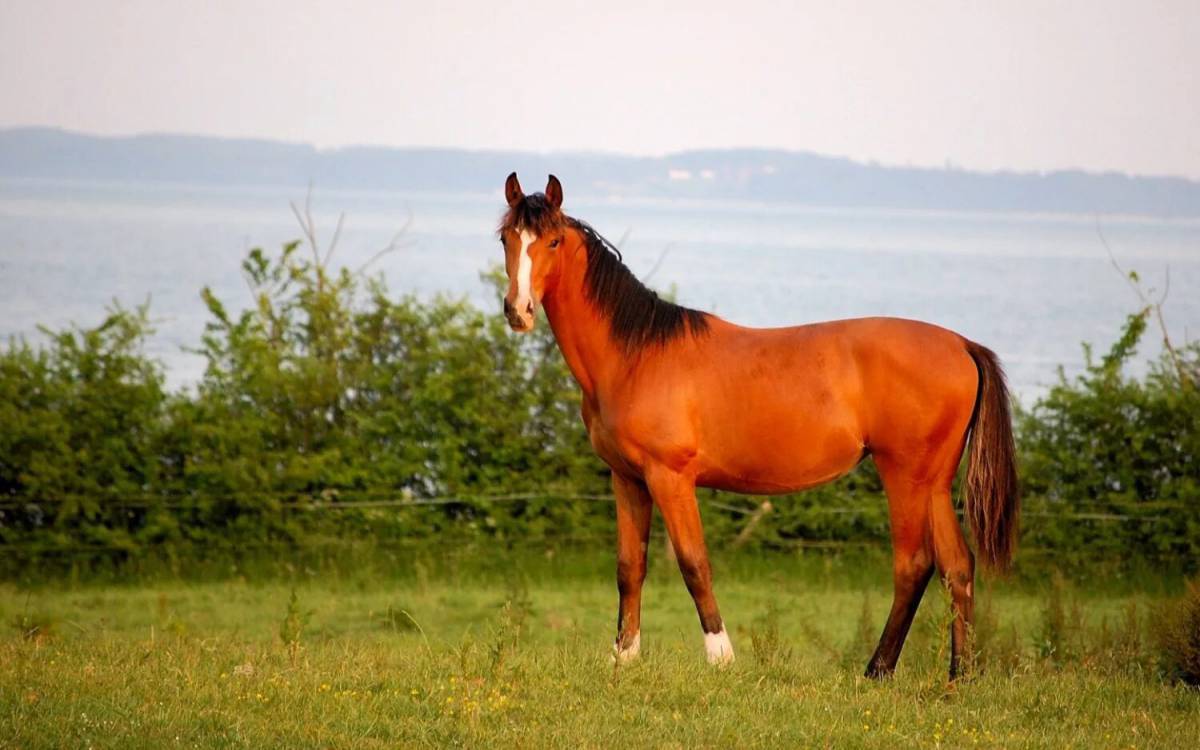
(604, 441)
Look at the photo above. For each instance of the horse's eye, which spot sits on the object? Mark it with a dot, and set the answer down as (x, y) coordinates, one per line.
(554, 244)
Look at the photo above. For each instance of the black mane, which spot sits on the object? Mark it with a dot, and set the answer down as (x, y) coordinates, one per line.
(637, 317)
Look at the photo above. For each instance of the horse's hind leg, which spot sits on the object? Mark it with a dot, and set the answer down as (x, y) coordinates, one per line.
(912, 562)
(675, 496)
(956, 565)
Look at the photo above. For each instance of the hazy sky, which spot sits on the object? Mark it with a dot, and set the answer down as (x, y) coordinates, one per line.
(1095, 84)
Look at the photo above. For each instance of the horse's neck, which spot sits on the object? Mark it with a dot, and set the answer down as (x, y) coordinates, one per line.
(581, 331)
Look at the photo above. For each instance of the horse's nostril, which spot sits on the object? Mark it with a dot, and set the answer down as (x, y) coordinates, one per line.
(529, 307)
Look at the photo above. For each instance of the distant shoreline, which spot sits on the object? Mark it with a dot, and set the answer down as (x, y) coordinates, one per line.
(298, 191)
(755, 176)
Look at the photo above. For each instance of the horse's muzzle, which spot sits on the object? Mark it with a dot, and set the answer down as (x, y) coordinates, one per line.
(519, 320)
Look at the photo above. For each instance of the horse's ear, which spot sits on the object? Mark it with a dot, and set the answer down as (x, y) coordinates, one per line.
(512, 190)
(554, 192)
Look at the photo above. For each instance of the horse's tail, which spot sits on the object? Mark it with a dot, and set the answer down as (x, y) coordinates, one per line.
(993, 502)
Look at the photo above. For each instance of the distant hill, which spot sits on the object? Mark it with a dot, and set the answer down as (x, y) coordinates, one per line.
(739, 174)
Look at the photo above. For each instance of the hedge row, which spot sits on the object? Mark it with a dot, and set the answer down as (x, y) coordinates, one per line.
(331, 410)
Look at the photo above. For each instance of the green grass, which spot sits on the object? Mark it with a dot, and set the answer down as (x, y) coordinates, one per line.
(501, 654)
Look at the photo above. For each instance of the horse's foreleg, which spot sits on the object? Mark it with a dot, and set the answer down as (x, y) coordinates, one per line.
(633, 532)
(675, 497)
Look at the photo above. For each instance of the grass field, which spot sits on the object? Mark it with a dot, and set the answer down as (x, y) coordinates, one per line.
(508, 654)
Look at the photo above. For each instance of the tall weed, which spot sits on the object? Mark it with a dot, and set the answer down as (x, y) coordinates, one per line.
(1177, 636)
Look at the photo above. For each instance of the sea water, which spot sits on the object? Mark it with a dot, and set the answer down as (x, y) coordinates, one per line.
(1032, 287)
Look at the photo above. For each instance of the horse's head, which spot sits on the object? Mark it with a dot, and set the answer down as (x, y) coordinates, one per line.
(531, 232)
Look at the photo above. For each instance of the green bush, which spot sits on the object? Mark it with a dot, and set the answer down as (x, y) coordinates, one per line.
(1177, 633)
(83, 418)
(330, 411)
(325, 393)
(324, 389)
(1118, 456)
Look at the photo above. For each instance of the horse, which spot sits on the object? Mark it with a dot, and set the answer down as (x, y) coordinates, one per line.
(675, 398)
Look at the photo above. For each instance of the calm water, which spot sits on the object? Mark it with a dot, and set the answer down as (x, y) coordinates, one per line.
(1031, 287)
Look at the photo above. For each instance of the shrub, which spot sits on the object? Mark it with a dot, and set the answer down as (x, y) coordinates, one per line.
(83, 418)
(1177, 635)
(1110, 464)
(327, 391)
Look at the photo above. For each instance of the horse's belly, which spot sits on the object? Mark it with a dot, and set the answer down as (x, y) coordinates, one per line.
(780, 460)
(772, 482)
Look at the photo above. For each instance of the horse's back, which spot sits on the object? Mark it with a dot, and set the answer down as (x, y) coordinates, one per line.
(899, 375)
(874, 354)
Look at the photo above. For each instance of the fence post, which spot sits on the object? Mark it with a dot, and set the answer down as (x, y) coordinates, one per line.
(755, 519)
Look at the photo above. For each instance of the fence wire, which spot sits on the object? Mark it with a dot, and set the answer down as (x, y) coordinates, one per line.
(346, 501)
(380, 500)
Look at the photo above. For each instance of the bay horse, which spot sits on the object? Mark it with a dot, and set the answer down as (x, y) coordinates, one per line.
(675, 398)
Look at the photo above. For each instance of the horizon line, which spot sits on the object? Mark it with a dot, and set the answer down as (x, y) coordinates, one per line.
(871, 163)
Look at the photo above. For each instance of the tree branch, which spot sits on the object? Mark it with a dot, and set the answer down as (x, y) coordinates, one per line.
(1150, 305)
(391, 247)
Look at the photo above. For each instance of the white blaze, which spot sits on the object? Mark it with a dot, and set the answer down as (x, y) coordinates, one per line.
(720, 650)
(524, 272)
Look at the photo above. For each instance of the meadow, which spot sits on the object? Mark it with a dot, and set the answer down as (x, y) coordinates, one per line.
(336, 539)
(496, 648)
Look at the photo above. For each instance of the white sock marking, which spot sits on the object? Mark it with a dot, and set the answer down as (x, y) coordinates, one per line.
(623, 655)
(720, 650)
